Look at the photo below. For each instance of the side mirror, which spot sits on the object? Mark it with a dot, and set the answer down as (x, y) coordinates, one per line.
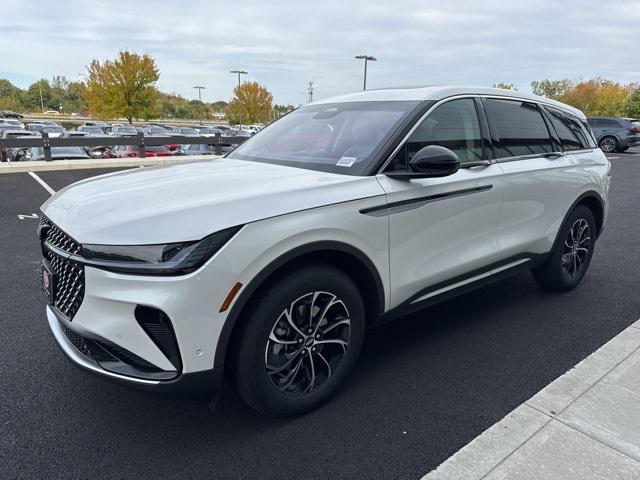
(430, 162)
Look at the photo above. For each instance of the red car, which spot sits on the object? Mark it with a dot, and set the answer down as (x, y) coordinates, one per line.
(125, 151)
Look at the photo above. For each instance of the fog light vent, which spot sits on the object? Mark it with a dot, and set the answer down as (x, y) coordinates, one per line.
(157, 325)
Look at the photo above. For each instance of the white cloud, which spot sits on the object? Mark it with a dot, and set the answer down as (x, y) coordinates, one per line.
(283, 44)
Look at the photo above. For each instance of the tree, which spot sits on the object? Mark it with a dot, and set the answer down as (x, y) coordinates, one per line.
(633, 106)
(251, 104)
(38, 95)
(554, 89)
(11, 97)
(505, 86)
(123, 87)
(599, 97)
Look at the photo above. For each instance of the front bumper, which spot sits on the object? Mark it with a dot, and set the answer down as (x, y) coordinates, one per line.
(201, 385)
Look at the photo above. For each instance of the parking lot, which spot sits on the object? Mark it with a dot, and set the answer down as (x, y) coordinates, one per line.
(424, 386)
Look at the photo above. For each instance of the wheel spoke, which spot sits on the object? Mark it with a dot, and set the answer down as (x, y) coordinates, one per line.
(329, 371)
(273, 338)
(273, 369)
(342, 343)
(290, 321)
(312, 382)
(344, 321)
(292, 375)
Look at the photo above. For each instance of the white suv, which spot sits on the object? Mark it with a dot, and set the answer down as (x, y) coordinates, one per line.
(345, 213)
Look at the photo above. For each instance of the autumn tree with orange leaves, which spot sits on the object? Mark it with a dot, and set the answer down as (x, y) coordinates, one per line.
(252, 103)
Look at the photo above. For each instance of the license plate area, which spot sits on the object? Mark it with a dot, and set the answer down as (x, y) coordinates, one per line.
(48, 282)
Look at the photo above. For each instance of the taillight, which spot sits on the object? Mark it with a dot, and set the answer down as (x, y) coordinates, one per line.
(633, 130)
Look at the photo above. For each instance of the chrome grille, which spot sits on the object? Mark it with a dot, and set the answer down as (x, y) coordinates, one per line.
(69, 275)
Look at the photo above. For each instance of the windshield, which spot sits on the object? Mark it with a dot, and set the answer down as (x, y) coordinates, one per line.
(52, 129)
(336, 137)
(125, 130)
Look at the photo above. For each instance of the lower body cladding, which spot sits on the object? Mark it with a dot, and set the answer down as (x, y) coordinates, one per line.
(146, 332)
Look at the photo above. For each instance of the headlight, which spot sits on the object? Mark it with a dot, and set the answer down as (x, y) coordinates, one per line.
(163, 259)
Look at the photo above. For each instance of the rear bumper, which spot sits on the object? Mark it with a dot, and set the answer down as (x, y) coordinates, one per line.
(201, 385)
(630, 141)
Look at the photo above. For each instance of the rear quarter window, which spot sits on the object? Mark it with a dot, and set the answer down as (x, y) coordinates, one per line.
(569, 130)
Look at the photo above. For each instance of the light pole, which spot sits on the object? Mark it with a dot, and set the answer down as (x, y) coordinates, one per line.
(239, 72)
(199, 100)
(366, 58)
(41, 102)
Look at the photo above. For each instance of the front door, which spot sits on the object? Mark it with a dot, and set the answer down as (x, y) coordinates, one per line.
(442, 228)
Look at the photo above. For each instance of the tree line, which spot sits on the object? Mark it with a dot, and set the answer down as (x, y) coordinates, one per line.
(125, 87)
(597, 97)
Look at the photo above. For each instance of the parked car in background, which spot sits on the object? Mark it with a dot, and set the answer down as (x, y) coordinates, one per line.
(209, 131)
(12, 121)
(10, 114)
(57, 153)
(100, 152)
(187, 131)
(123, 131)
(104, 126)
(73, 133)
(35, 126)
(198, 149)
(51, 112)
(54, 131)
(126, 151)
(615, 134)
(155, 130)
(8, 153)
(91, 130)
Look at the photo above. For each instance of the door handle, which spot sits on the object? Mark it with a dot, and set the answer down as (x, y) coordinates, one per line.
(553, 155)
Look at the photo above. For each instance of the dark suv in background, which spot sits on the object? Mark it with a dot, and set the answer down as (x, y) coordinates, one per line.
(615, 134)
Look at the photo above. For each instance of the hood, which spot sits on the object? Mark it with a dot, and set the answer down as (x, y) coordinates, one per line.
(189, 201)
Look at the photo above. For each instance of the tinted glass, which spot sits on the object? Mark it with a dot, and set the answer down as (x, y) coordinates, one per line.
(568, 129)
(156, 148)
(453, 125)
(519, 128)
(333, 137)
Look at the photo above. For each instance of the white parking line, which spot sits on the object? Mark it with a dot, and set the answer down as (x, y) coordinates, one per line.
(42, 183)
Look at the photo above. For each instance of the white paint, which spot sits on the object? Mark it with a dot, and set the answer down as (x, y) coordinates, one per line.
(42, 183)
(29, 215)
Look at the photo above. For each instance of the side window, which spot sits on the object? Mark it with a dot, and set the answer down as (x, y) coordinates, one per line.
(568, 129)
(453, 125)
(519, 128)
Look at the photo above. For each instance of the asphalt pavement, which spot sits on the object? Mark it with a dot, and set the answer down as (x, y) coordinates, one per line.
(424, 386)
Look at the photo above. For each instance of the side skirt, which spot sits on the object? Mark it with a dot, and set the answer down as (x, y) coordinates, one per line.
(462, 284)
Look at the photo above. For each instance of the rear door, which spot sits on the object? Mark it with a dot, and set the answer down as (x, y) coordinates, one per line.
(543, 172)
(442, 228)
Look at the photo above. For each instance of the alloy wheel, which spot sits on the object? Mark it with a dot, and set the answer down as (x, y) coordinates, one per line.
(307, 343)
(576, 247)
(608, 145)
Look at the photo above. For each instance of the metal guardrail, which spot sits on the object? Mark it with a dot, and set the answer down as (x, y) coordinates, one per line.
(46, 143)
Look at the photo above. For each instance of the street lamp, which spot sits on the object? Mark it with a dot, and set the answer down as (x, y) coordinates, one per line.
(200, 101)
(200, 92)
(366, 58)
(239, 72)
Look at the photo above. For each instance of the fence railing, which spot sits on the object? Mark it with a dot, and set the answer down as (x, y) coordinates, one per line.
(46, 143)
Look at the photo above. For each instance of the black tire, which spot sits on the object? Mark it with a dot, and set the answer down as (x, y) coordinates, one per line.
(608, 144)
(568, 262)
(265, 327)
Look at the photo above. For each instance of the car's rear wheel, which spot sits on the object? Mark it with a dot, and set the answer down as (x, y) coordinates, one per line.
(571, 255)
(299, 340)
(608, 144)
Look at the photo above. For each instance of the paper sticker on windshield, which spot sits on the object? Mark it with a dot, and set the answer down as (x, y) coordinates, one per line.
(346, 161)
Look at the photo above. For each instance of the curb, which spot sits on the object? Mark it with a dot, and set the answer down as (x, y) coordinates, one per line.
(524, 440)
(23, 167)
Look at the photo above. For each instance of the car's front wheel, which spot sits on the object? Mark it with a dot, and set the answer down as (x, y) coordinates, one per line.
(299, 340)
(571, 254)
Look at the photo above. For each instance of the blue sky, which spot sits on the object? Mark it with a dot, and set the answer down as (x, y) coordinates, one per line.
(284, 44)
